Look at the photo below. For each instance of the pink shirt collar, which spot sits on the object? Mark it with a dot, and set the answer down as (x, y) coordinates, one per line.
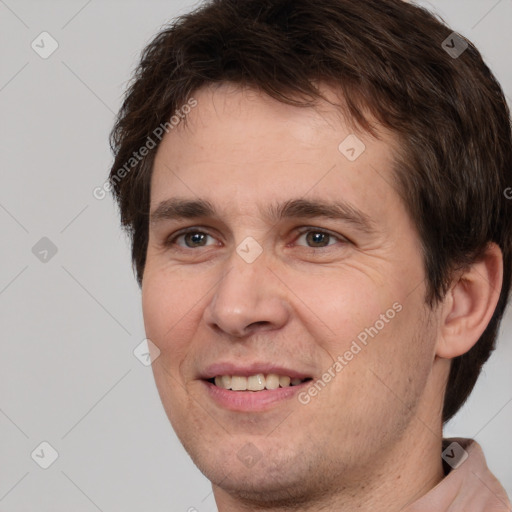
(470, 487)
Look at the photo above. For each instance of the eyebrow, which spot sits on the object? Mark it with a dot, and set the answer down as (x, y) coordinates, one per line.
(177, 209)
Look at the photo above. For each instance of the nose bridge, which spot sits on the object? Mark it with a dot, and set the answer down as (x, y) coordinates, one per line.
(248, 296)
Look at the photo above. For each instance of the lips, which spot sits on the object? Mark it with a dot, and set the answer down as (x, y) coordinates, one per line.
(252, 387)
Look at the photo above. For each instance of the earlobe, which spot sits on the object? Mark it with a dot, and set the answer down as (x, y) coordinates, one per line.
(469, 304)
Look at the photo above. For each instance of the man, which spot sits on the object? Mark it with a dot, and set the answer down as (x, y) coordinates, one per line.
(315, 195)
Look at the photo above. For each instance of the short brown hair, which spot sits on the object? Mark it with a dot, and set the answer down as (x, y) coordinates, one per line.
(387, 59)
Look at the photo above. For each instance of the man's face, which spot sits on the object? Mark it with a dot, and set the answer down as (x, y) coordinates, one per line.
(248, 291)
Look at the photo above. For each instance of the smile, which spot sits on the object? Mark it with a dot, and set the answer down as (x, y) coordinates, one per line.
(257, 382)
(239, 397)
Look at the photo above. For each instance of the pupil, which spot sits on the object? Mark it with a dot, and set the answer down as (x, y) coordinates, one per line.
(195, 238)
(316, 238)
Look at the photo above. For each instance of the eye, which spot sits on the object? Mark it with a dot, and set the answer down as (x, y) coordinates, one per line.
(318, 238)
(191, 239)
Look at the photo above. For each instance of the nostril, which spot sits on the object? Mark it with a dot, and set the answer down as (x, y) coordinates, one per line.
(257, 325)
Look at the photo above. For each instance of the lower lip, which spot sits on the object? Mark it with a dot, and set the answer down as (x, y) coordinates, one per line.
(251, 401)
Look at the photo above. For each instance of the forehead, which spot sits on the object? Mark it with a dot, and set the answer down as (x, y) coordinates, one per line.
(239, 146)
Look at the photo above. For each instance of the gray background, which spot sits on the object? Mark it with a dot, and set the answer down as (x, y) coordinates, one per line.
(69, 325)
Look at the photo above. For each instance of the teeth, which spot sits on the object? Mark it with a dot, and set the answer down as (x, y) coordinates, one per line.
(255, 382)
(223, 382)
(284, 382)
(272, 381)
(238, 383)
(226, 381)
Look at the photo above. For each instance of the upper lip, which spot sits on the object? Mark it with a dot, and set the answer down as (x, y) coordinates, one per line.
(246, 370)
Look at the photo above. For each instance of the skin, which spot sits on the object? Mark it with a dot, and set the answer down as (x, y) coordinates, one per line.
(369, 440)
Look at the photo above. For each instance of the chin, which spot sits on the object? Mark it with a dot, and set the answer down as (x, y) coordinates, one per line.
(261, 487)
(275, 479)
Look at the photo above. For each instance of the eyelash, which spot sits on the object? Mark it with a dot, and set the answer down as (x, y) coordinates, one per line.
(171, 241)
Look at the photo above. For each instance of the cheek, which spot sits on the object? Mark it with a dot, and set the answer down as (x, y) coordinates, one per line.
(379, 337)
(399, 357)
(164, 315)
(342, 306)
(167, 307)
(380, 387)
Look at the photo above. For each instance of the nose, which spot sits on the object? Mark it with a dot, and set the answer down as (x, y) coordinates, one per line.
(248, 298)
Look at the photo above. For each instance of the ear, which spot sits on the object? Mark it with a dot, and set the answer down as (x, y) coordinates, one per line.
(469, 304)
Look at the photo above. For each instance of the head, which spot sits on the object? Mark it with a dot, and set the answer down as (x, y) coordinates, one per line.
(267, 98)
